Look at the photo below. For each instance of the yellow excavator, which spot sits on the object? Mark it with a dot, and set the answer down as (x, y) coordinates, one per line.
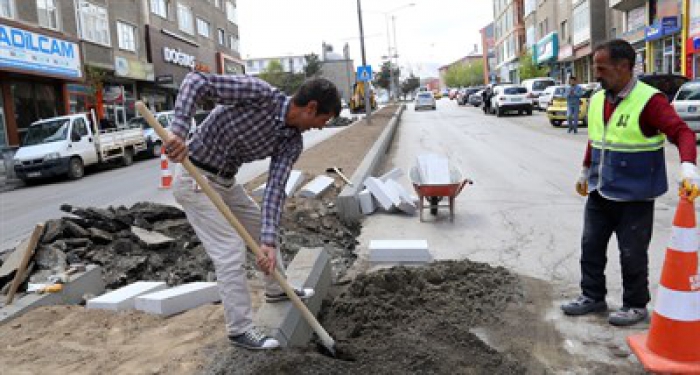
(357, 101)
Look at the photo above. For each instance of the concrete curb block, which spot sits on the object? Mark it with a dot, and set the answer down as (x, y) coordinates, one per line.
(310, 268)
(123, 298)
(347, 202)
(88, 282)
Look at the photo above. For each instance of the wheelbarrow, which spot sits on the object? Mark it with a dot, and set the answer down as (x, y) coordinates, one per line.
(434, 194)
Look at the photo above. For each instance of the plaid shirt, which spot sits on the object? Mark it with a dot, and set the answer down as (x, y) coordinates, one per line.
(247, 125)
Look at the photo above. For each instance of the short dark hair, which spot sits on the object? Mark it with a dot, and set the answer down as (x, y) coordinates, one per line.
(619, 50)
(323, 91)
(572, 77)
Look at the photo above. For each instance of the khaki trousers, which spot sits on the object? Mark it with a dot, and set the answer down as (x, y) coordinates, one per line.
(224, 246)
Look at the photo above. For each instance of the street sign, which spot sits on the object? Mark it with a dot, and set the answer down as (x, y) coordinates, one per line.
(364, 73)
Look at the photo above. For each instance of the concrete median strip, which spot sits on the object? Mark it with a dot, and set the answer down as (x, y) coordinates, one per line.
(310, 268)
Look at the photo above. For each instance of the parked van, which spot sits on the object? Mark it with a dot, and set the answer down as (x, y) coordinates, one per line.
(535, 87)
(65, 145)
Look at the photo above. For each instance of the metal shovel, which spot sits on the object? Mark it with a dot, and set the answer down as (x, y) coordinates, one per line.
(326, 340)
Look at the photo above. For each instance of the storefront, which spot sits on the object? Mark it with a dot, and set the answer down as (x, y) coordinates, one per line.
(566, 63)
(663, 36)
(35, 67)
(172, 57)
(229, 65)
(693, 41)
(545, 53)
(583, 63)
(635, 35)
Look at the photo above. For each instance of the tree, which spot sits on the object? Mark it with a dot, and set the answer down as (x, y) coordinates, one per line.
(528, 68)
(410, 84)
(313, 65)
(383, 77)
(275, 75)
(463, 75)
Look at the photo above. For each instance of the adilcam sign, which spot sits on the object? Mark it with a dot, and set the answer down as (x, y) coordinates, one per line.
(27, 51)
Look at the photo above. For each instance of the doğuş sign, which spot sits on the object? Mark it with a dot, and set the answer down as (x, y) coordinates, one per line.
(177, 57)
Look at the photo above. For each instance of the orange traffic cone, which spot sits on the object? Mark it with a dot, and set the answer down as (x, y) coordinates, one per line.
(672, 344)
(166, 179)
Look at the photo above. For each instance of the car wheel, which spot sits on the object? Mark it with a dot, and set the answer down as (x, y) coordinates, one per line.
(434, 108)
(529, 112)
(156, 149)
(499, 113)
(128, 157)
(555, 123)
(76, 169)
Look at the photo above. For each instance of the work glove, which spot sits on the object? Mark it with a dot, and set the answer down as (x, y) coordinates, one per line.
(582, 182)
(690, 180)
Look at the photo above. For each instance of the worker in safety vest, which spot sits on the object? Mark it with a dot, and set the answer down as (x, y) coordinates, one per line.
(624, 170)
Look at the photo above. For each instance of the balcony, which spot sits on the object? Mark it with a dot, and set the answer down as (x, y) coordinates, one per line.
(626, 5)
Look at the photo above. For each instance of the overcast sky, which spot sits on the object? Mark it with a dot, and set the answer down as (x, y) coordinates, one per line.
(429, 34)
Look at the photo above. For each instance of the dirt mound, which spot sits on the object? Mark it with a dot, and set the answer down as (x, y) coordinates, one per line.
(405, 320)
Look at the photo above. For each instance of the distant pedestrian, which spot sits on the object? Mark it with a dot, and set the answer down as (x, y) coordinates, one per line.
(624, 170)
(574, 92)
(486, 97)
(252, 121)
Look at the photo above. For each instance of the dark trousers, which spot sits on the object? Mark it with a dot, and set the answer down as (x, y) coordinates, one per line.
(632, 224)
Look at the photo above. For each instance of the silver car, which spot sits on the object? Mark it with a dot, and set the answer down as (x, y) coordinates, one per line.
(425, 100)
(687, 104)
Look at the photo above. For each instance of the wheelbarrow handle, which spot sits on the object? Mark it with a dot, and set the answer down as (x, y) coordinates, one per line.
(461, 186)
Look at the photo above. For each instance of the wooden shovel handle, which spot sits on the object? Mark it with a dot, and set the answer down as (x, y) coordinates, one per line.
(19, 274)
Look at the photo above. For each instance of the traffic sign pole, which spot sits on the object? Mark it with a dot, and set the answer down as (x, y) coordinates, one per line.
(368, 105)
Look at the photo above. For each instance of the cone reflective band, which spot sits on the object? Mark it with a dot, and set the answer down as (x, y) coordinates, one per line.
(166, 179)
(672, 344)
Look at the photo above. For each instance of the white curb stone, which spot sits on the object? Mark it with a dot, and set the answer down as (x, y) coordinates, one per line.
(123, 298)
(386, 197)
(367, 204)
(399, 251)
(406, 200)
(178, 299)
(316, 187)
(393, 174)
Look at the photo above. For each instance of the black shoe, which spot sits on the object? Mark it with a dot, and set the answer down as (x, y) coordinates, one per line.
(627, 316)
(583, 305)
(305, 293)
(255, 340)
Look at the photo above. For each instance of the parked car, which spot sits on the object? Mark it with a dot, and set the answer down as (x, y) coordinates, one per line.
(464, 98)
(425, 100)
(536, 86)
(508, 98)
(556, 112)
(476, 99)
(687, 104)
(153, 141)
(669, 84)
(548, 94)
(437, 95)
(65, 145)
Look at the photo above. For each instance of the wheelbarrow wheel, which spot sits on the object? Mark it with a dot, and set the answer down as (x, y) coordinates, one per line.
(434, 205)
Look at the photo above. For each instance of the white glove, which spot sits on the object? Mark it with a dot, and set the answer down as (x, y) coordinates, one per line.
(690, 180)
(582, 182)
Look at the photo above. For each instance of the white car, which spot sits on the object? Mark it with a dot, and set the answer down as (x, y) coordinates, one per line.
(153, 141)
(425, 100)
(536, 86)
(508, 98)
(687, 104)
(545, 99)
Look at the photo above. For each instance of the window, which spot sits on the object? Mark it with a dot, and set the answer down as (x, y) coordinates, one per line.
(203, 27)
(7, 9)
(231, 12)
(126, 36)
(530, 6)
(160, 7)
(93, 23)
(222, 37)
(562, 37)
(79, 127)
(233, 42)
(217, 3)
(184, 18)
(48, 13)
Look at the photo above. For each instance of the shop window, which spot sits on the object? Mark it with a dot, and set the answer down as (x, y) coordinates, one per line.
(160, 7)
(34, 101)
(7, 9)
(222, 37)
(231, 12)
(203, 28)
(126, 36)
(93, 23)
(48, 13)
(184, 19)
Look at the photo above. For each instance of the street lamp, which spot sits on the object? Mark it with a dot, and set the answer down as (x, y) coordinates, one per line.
(393, 85)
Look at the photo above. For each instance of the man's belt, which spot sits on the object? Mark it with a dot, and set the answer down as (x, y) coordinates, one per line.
(215, 171)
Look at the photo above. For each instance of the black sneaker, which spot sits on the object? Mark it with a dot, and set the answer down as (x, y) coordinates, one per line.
(627, 316)
(254, 339)
(304, 293)
(583, 305)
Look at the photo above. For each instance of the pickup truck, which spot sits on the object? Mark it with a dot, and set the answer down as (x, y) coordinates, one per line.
(65, 145)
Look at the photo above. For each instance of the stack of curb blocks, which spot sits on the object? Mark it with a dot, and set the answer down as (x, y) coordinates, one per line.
(314, 188)
(387, 193)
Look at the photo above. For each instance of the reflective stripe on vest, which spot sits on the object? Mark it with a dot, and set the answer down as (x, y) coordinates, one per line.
(622, 131)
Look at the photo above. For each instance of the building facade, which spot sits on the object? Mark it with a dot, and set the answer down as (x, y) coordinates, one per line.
(488, 53)
(509, 33)
(290, 64)
(69, 56)
(692, 39)
(339, 69)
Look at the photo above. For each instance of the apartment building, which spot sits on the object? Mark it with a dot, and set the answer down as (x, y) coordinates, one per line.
(488, 53)
(509, 33)
(67, 56)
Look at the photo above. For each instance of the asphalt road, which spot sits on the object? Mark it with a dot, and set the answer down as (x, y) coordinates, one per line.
(22, 208)
(521, 212)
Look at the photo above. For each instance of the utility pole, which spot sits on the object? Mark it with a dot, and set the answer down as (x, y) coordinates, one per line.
(388, 56)
(368, 104)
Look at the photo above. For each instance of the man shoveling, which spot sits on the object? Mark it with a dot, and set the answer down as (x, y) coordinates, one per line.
(252, 121)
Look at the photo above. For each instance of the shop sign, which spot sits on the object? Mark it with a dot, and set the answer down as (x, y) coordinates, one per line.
(547, 49)
(565, 52)
(659, 29)
(201, 67)
(37, 53)
(177, 57)
(694, 18)
(135, 69)
(165, 79)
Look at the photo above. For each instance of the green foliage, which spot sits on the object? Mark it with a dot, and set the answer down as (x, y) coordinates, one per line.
(528, 68)
(410, 84)
(464, 75)
(94, 77)
(275, 75)
(313, 65)
(383, 77)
